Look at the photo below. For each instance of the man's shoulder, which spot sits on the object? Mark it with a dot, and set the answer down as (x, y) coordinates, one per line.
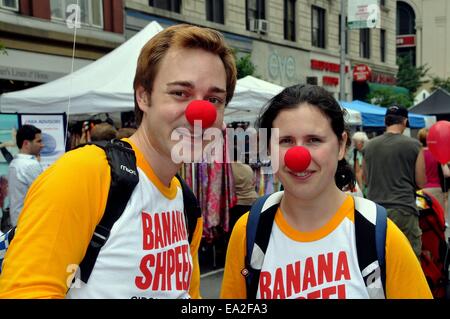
(88, 157)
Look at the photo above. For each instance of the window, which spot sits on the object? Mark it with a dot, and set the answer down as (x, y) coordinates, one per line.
(91, 11)
(382, 3)
(169, 5)
(364, 43)
(10, 4)
(346, 33)
(289, 20)
(214, 11)
(383, 45)
(318, 27)
(255, 9)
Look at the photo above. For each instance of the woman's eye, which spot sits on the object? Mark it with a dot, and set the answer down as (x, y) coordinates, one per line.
(314, 140)
(215, 100)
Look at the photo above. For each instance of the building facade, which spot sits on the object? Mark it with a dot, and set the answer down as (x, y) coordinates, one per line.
(290, 41)
(423, 34)
(41, 38)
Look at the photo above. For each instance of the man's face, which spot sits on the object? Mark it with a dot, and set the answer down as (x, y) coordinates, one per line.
(184, 75)
(36, 145)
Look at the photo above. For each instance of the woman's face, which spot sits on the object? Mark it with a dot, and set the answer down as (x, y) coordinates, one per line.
(307, 126)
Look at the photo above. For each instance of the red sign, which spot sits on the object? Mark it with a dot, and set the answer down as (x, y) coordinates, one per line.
(326, 66)
(330, 80)
(383, 78)
(406, 41)
(361, 73)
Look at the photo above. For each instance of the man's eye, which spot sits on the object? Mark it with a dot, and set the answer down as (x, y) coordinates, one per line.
(179, 93)
(286, 141)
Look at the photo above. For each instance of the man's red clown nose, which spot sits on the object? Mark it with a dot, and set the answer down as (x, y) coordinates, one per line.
(297, 159)
(203, 111)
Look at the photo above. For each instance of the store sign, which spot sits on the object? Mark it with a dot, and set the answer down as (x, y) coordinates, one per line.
(361, 73)
(326, 66)
(363, 14)
(383, 78)
(406, 41)
(330, 80)
(12, 73)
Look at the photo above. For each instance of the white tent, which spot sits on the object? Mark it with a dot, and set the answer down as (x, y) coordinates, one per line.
(249, 97)
(252, 94)
(105, 85)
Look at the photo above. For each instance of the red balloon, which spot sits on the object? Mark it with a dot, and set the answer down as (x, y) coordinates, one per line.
(297, 159)
(201, 110)
(438, 141)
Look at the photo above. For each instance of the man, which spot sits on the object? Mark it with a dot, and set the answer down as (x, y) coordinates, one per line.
(394, 168)
(24, 168)
(141, 258)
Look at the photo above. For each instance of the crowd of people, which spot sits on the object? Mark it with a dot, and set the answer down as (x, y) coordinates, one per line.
(149, 251)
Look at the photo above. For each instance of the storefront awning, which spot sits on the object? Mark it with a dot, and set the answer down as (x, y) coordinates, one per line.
(393, 88)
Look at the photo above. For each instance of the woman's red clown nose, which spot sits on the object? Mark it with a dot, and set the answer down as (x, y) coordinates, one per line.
(297, 159)
(202, 111)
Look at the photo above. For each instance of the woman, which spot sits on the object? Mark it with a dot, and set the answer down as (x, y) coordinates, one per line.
(432, 166)
(314, 221)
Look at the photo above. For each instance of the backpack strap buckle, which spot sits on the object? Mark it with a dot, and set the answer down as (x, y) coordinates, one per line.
(100, 236)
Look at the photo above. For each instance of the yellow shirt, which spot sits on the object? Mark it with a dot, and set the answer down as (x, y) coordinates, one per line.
(303, 252)
(61, 211)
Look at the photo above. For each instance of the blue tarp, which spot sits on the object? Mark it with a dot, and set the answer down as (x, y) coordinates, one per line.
(373, 115)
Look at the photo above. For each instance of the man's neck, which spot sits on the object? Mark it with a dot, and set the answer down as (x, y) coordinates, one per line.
(395, 129)
(163, 168)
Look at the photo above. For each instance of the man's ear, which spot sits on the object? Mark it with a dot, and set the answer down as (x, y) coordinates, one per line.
(142, 98)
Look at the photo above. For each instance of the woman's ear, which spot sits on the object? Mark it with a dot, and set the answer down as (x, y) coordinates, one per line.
(343, 145)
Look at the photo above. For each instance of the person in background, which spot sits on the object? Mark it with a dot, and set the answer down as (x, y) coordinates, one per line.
(432, 166)
(358, 140)
(124, 132)
(244, 183)
(394, 167)
(315, 218)
(24, 168)
(103, 132)
(148, 254)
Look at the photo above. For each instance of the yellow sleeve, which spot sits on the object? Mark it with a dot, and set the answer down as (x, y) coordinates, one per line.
(60, 213)
(233, 284)
(404, 276)
(194, 289)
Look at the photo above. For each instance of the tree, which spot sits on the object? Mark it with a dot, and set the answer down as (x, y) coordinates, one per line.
(409, 76)
(245, 66)
(2, 49)
(387, 97)
(440, 83)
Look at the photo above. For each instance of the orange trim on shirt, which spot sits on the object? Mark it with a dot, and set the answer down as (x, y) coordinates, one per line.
(169, 192)
(345, 210)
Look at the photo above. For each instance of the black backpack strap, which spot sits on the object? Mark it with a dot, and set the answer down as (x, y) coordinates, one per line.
(124, 178)
(192, 210)
(258, 230)
(370, 234)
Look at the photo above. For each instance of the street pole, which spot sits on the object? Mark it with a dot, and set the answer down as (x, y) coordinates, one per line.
(342, 95)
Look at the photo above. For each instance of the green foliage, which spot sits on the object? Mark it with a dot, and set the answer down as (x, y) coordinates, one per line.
(245, 66)
(387, 97)
(409, 76)
(440, 83)
(2, 49)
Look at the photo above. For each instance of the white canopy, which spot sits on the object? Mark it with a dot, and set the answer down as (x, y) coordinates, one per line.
(105, 85)
(252, 94)
(249, 97)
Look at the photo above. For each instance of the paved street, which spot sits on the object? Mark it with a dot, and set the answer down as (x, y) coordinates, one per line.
(210, 284)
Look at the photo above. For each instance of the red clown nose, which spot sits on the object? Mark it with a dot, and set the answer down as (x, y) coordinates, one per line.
(297, 159)
(200, 110)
